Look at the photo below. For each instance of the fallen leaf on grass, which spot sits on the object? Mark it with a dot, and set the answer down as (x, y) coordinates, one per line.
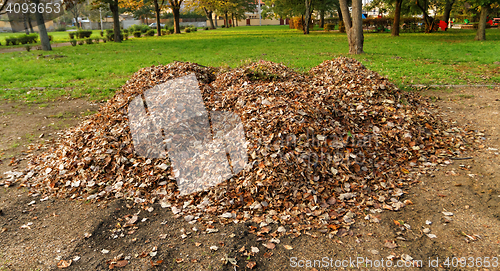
(288, 247)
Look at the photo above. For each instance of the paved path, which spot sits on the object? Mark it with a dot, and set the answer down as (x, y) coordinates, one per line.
(4, 49)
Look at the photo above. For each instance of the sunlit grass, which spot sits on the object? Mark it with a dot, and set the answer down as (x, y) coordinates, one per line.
(97, 71)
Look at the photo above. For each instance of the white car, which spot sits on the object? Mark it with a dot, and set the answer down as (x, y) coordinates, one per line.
(153, 25)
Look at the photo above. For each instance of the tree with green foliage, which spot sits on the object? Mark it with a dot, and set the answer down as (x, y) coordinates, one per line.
(205, 6)
(325, 6)
(114, 7)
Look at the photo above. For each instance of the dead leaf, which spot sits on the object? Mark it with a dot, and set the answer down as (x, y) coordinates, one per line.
(390, 244)
(251, 265)
(64, 264)
(270, 245)
(155, 263)
(288, 247)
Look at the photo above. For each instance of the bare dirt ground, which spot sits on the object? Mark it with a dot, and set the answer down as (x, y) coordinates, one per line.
(37, 47)
(37, 233)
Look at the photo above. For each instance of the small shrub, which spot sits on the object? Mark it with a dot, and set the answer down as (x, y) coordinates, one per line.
(73, 42)
(171, 30)
(96, 40)
(137, 34)
(329, 27)
(61, 28)
(163, 32)
(125, 31)
(12, 40)
(223, 26)
(102, 33)
(124, 36)
(34, 37)
(88, 41)
(71, 35)
(23, 39)
(150, 33)
(82, 34)
(205, 28)
(110, 36)
(109, 31)
(27, 47)
(51, 38)
(144, 28)
(104, 40)
(188, 30)
(341, 27)
(80, 42)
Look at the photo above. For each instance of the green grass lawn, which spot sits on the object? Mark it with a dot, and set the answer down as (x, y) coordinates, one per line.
(97, 71)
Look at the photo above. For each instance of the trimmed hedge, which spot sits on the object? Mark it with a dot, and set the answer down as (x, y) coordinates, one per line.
(24, 39)
(82, 34)
(142, 28)
(329, 27)
(150, 33)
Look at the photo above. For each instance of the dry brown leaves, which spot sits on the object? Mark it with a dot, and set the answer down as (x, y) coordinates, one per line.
(324, 148)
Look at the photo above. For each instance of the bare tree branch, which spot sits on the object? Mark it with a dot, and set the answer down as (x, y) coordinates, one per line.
(3, 6)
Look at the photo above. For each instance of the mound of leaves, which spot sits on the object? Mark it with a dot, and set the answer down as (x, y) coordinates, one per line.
(326, 148)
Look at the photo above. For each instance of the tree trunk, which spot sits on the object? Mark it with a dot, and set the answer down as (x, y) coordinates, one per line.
(232, 18)
(481, 28)
(176, 12)
(354, 27)
(215, 21)
(157, 13)
(25, 24)
(209, 17)
(44, 38)
(308, 16)
(397, 17)
(113, 6)
(322, 18)
(447, 10)
(30, 24)
(226, 21)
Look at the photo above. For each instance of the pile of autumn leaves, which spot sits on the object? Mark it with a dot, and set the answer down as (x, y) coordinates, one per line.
(325, 148)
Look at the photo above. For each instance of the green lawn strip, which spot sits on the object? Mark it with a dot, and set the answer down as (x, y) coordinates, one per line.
(97, 70)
